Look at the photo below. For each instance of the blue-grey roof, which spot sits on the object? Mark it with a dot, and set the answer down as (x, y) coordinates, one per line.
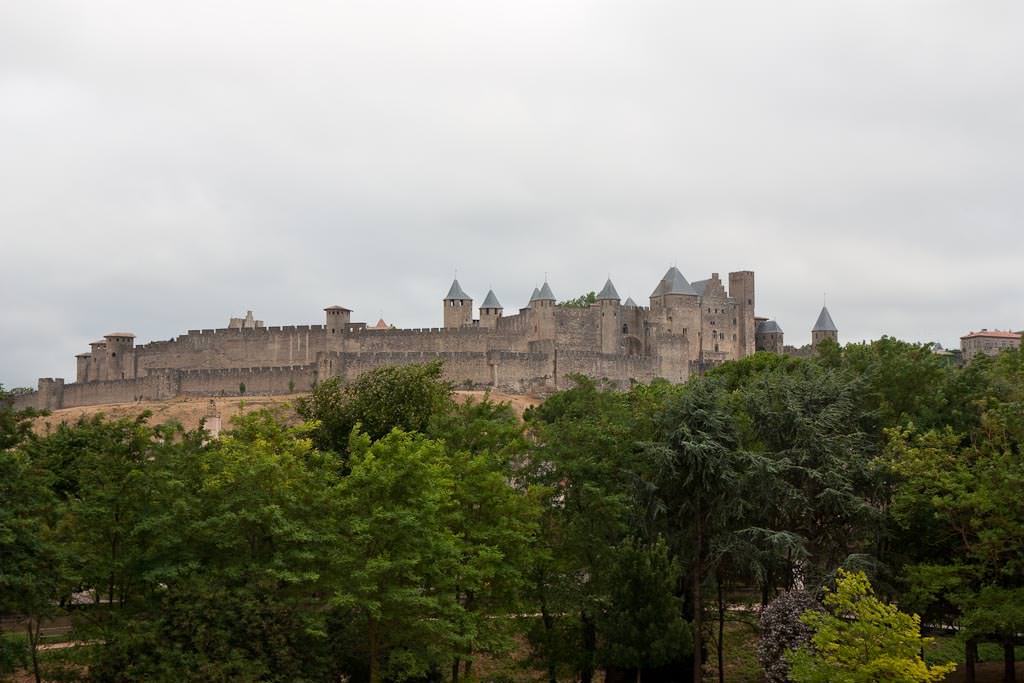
(674, 283)
(768, 326)
(700, 285)
(533, 297)
(455, 292)
(824, 323)
(545, 293)
(490, 301)
(629, 302)
(608, 293)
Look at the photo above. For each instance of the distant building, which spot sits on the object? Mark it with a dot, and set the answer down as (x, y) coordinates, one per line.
(767, 335)
(989, 342)
(246, 323)
(824, 329)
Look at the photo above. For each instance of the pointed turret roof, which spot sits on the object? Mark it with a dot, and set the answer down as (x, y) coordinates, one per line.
(455, 292)
(824, 323)
(768, 326)
(608, 293)
(673, 283)
(533, 297)
(490, 301)
(629, 302)
(545, 293)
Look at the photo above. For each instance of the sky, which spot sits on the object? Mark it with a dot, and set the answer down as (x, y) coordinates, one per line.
(167, 165)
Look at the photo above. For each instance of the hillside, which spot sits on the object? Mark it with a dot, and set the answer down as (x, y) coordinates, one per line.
(189, 411)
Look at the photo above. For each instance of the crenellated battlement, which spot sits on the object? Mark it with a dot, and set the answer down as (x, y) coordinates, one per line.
(531, 350)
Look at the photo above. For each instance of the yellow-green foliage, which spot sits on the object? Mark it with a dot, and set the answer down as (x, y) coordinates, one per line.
(862, 640)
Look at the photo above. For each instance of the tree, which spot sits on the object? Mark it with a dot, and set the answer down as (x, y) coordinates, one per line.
(397, 555)
(782, 629)
(862, 640)
(642, 626)
(588, 457)
(15, 425)
(30, 580)
(700, 485)
(582, 301)
(385, 398)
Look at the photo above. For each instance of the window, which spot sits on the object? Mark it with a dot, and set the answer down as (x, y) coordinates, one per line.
(625, 328)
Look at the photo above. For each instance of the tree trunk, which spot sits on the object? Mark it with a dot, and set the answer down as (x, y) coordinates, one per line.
(698, 639)
(971, 657)
(1009, 665)
(468, 669)
(721, 631)
(455, 669)
(589, 647)
(549, 627)
(34, 629)
(374, 644)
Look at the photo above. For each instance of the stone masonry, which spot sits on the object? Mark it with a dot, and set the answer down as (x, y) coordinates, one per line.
(686, 329)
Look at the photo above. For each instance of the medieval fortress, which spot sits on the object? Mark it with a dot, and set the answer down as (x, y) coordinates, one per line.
(686, 329)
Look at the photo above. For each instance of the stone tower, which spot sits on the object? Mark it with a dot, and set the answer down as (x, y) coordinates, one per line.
(608, 302)
(337, 320)
(824, 328)
(458, 307)
(490, 310)
(741, 290)
(769, 336)
(120, 361)
(542, 312)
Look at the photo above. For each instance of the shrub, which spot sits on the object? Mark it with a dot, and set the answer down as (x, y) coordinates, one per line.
(781, 630)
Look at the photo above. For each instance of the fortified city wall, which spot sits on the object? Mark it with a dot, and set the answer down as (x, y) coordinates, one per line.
(686, 329)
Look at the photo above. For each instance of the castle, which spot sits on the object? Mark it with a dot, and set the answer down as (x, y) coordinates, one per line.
(686, 329)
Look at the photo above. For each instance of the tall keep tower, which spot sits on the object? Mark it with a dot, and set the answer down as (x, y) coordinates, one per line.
(824, 328)
(542, 312)
(458, 307)
(337, 319)
(608, 302)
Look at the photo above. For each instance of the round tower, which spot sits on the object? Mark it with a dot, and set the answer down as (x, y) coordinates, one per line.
(542, 310)
(458, 307)
(120, 355)
(337, 319)
(609, 323)
(490, 310)
(824, 328)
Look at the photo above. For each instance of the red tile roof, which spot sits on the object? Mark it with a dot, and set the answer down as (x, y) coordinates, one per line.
(997, 334)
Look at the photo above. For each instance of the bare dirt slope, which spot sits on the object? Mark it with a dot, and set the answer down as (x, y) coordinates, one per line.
(189, 411)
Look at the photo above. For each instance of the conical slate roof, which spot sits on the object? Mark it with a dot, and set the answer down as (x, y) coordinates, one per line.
(490, 301)
(608, 293)
(673, 283)
(455, 292)
(768, 326)
(629, 302)
(824, 323)
(545, 293)
(533, 297)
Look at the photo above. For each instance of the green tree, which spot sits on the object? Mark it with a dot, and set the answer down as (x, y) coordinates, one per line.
(582, 301)
(862, 640)
(397, 555)
(385, 398)
(15, 425)
(30, 581)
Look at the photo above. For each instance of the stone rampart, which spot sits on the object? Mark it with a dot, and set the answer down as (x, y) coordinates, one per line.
(261, 380)
(617, 368)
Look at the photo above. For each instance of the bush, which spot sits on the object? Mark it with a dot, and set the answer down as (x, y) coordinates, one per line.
(781, 630)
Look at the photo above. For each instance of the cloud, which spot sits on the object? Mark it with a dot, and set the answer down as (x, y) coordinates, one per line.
(167, 165)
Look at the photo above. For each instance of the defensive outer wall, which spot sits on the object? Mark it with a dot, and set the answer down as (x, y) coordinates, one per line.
(687, 328)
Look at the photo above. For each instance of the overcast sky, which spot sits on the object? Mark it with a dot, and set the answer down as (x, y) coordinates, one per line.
(166, 165)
